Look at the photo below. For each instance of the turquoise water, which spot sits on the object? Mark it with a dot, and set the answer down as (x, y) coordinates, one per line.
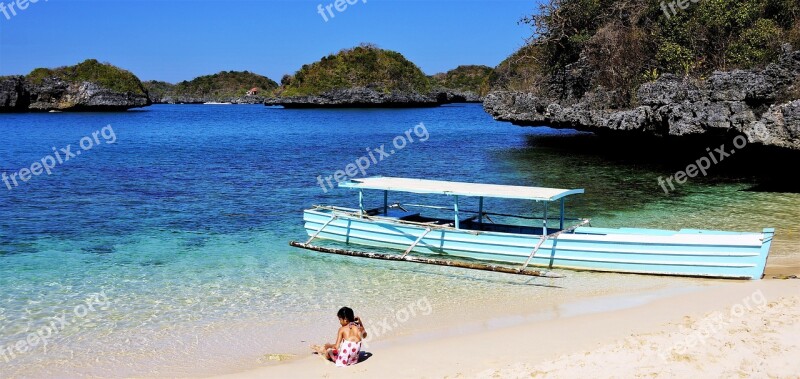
(167, 251)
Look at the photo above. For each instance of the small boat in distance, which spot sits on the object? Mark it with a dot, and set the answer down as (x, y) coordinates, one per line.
(473, 234)
(216, 103)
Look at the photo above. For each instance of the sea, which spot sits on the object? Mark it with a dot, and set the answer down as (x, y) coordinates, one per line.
(155, 242)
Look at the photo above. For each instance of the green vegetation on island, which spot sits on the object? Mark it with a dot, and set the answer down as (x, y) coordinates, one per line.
(90, 70)
(620, 44)
(158, 89)
(471, 78)
(364, 66)
(222, 85)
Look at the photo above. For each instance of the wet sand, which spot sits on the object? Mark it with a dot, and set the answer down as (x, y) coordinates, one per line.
(723, 328)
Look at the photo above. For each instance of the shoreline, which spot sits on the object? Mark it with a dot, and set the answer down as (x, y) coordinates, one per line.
(509, 344)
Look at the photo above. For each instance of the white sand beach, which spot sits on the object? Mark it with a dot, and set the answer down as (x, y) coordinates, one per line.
(726, 329)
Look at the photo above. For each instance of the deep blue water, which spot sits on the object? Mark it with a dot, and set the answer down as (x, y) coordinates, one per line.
(184, 223)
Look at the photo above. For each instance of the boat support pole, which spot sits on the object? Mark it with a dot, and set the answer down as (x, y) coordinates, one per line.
(427, 230)
(554, 235)
(385, 203)
(480, 210)
(320, 229)
(361, 203)
(429, 261)
(457, 222)
(561, 225)
(535, 249)
(544, 220)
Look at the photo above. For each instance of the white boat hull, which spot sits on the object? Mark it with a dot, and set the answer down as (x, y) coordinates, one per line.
(643, 251)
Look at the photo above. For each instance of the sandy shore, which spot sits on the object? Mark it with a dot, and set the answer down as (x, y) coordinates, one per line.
(721, 330)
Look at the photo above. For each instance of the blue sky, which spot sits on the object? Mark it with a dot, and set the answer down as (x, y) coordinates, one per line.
(176, 40)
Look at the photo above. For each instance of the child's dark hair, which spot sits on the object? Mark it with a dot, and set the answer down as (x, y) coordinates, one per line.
(346, 314)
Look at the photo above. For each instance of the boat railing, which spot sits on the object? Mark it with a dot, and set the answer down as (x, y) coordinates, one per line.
(357, 213)
(353, 212)
(334, 208)
(485, 213)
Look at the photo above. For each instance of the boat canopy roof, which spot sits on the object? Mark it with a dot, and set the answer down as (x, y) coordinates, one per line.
(458, 188)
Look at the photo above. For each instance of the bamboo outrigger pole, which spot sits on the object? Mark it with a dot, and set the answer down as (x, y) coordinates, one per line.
(429, 261)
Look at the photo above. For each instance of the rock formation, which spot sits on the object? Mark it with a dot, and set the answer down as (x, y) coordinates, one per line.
(760, 104)
(88, 86)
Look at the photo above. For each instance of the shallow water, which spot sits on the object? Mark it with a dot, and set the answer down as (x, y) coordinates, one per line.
(167, 252)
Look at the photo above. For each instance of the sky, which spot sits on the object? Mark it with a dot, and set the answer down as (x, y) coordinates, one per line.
(175, 40)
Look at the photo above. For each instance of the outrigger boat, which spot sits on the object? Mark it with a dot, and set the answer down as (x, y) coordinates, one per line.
(688, 252)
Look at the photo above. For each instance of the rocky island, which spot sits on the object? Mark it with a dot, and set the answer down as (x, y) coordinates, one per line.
(238, 87)
(606, 75)
(757, 103)
(715, 70)
(88, 86)
(467, 83)
(365, 76)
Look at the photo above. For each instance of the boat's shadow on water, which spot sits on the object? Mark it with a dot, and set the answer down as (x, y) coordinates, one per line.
(525, 280)
(462, 274)
(452, 273)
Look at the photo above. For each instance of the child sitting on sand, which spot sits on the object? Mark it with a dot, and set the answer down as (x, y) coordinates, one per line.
(345, 351)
